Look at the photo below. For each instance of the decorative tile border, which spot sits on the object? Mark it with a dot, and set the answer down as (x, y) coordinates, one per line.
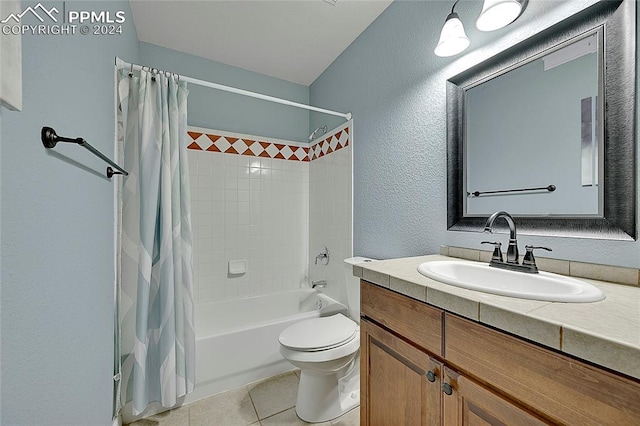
(334, 142)
(230, 143)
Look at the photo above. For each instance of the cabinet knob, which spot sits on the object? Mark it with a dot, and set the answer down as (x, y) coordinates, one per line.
(431, 376)
(446, 388)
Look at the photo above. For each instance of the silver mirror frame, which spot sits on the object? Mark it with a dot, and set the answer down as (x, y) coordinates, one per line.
(618, 18)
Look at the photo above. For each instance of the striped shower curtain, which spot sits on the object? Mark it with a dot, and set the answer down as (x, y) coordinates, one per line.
(157, 342)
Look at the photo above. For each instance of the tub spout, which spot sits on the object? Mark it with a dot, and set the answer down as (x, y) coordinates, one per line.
(319, 284)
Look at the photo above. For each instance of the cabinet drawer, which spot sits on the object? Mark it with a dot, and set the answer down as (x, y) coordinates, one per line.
(414, 320)
(558, 387)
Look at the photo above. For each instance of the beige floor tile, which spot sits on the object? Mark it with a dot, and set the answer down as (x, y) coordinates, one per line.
(176, 417)
(274, 395)
(352, 418)
(231, 408)
(288, 418)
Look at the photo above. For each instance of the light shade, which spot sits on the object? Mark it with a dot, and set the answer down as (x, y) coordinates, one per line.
(497, 14)
(453, 39)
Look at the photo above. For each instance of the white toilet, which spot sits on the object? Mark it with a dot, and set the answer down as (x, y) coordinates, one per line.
(325, 349)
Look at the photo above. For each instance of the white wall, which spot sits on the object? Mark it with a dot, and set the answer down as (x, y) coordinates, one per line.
(275, 213)
(330, 201)
(247, 207)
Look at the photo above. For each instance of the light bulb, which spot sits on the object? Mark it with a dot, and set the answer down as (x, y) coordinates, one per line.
(497, 14)
(453, 39)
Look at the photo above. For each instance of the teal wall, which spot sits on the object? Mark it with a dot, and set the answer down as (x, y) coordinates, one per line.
(394, 85)
(57, 226)
(220, 110)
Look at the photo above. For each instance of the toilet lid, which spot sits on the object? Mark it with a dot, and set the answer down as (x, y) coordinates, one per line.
(318, 333)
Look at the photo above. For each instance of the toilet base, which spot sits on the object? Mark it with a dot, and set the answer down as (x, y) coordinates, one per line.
(324, 397)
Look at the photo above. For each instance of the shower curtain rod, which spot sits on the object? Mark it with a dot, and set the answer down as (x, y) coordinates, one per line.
(122, 64)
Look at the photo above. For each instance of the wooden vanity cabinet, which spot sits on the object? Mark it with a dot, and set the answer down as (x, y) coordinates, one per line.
(423, 366)
(403, 383)
(472, 404)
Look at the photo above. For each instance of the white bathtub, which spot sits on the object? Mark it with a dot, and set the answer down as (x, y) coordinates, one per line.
(237, 340)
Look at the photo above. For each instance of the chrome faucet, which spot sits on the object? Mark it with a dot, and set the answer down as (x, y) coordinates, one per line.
(512, 250)
(529, 261)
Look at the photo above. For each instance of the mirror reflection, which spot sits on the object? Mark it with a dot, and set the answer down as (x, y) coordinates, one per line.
(531, 136)
(501, 136)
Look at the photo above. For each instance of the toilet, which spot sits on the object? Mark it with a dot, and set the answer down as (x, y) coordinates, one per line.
(326, 351)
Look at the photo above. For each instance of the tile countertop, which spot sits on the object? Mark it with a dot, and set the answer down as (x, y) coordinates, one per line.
(606, 333)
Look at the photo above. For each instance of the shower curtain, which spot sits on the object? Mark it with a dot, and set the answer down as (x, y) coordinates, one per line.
(157, 342)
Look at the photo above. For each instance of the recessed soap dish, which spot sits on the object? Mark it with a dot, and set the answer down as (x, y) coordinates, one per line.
(237, 267)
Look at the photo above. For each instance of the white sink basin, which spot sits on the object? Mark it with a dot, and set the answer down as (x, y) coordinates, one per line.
(482, 277)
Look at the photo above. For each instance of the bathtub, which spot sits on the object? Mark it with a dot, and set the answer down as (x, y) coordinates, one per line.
(237, 340)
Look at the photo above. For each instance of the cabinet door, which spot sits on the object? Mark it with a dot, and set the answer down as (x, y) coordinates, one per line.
(400, 384)
(468, 403)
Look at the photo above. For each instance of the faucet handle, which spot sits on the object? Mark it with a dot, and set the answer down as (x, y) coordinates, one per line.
(497, 250)
(529, 259)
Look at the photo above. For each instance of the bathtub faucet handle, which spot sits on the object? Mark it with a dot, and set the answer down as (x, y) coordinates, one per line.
(320, 284)
(323, 256)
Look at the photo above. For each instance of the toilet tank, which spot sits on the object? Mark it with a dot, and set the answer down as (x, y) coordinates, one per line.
(353, 285)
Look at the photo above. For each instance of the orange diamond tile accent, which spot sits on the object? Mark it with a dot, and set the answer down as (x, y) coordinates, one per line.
(256, 148)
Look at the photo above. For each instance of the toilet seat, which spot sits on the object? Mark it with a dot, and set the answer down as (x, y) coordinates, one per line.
(319, 334)
(325, 350)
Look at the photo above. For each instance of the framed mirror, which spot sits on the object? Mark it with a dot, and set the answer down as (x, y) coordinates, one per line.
(546, 130)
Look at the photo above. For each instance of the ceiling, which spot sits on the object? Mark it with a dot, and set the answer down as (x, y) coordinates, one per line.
(293, 40)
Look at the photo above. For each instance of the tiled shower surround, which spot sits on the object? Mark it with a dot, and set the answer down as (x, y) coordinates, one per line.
(250, 201)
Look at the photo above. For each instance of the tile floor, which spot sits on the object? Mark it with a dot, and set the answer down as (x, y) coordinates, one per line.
(270, 402)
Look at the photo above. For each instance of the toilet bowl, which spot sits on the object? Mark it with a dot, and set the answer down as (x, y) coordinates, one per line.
(324, 349)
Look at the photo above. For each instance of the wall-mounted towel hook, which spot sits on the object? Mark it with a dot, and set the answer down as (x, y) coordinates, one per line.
(50, 139)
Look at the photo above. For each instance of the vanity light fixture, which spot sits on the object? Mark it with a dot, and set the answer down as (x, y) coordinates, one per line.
(453, 39)
(497, 14)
